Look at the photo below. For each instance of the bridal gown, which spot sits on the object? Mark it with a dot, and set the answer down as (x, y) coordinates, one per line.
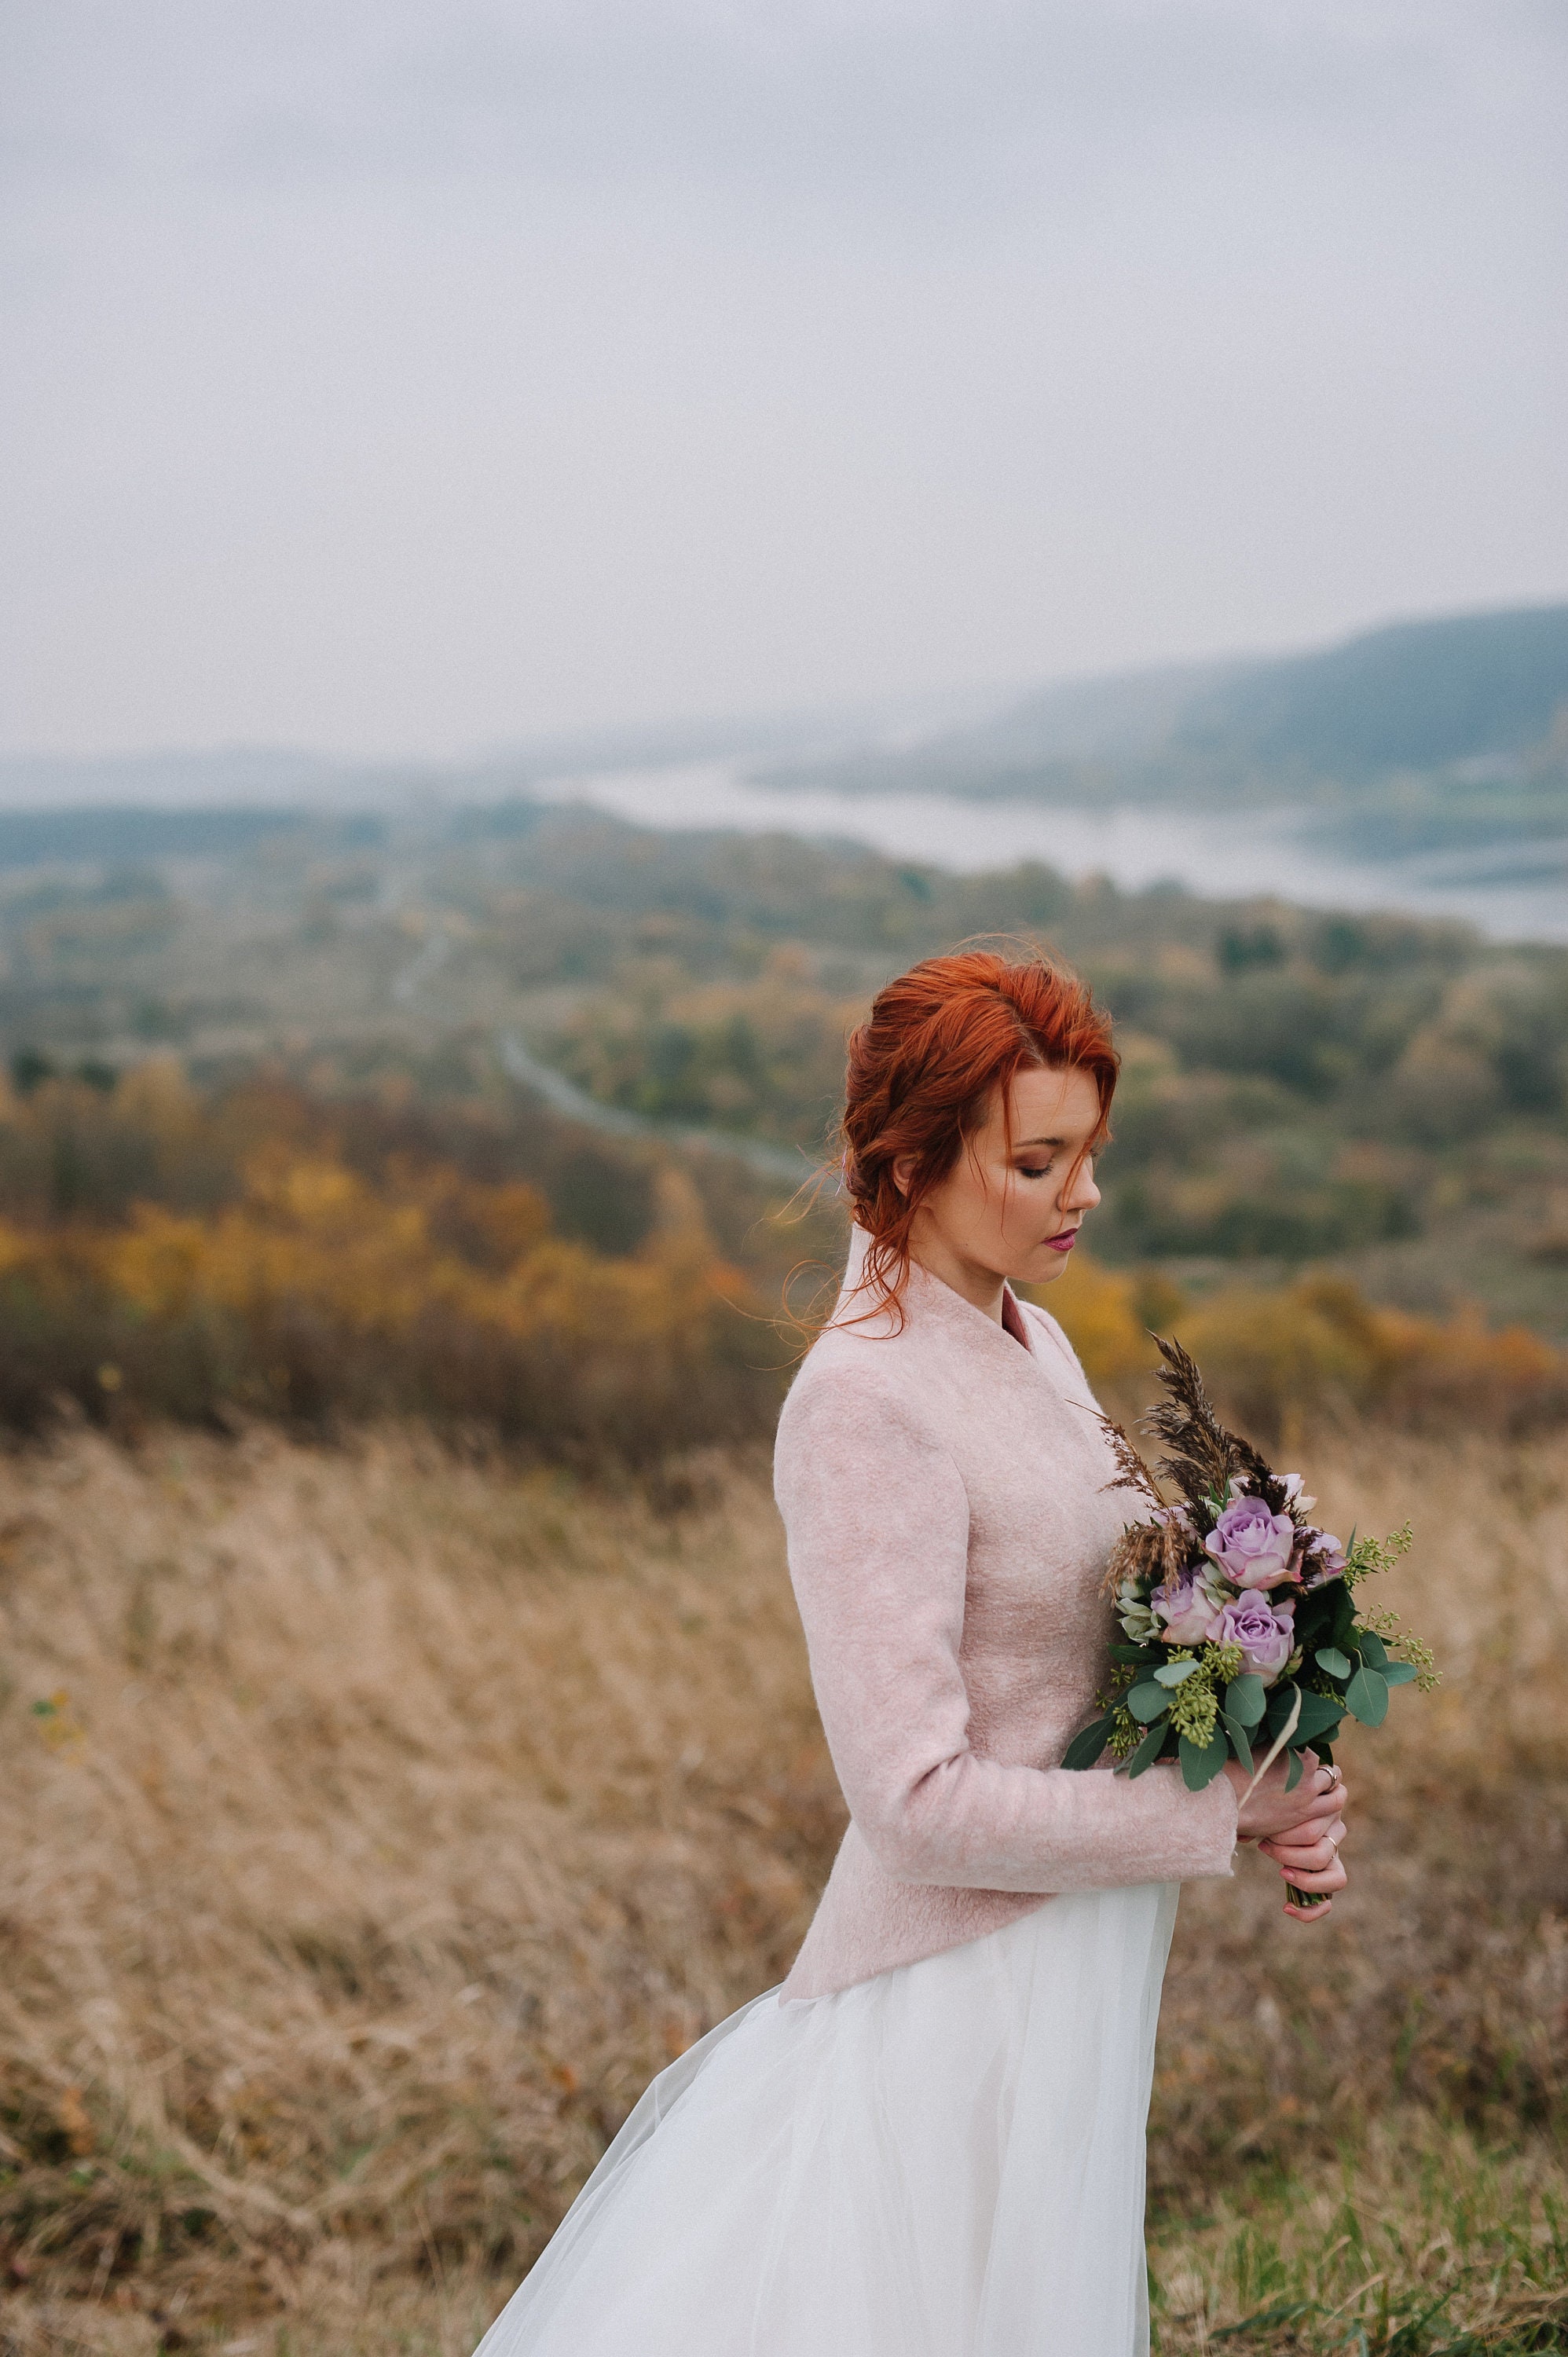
(944, 2161)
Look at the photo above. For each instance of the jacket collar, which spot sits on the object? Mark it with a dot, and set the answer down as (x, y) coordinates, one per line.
(929, 1304)
(977, 1348)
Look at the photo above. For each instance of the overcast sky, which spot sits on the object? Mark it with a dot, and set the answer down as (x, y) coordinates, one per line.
(409, 376)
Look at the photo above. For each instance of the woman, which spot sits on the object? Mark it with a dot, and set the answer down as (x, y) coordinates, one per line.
(930, 2142)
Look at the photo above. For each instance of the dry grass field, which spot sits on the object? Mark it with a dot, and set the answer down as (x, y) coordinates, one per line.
(376, 1822)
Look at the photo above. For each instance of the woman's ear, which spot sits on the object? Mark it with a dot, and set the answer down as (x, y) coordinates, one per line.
(904, 1173)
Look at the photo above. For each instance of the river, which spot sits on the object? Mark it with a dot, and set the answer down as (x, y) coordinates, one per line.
(1230, 854)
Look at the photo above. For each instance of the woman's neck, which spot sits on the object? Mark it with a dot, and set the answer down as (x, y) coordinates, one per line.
(981, 1287)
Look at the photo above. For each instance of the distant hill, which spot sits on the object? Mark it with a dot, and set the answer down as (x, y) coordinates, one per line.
(1441, 740)
(1468, 703)
(1415, 695)
(1122, 716)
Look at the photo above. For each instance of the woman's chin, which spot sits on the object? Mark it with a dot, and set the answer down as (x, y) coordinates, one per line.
(1044, 1267)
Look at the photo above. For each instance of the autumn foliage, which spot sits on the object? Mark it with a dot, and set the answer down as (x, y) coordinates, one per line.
(261, 1250)
(1314, 1349)
(306, 1286)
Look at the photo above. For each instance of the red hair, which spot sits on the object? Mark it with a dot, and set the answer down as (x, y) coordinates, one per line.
(923, 1070)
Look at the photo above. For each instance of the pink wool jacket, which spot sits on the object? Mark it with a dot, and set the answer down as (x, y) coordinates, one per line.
(942, 1492)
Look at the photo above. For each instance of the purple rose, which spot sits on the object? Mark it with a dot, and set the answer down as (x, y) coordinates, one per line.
(1323, 1559)
(1265, 1632)
(1252, 1546)
(1186, 1610)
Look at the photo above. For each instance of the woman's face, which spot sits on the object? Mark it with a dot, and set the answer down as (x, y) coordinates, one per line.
(1013, 1209)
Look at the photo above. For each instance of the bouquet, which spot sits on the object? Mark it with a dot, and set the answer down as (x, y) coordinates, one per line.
(1243, 1634)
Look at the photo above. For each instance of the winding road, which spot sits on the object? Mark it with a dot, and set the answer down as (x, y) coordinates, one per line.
(793, 1167)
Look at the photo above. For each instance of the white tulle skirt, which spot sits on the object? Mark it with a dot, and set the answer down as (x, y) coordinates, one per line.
(946, 2161)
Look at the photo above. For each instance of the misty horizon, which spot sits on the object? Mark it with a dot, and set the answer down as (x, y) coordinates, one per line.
(646, 737)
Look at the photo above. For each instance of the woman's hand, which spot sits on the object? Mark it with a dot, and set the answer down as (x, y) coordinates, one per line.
(1309, 1860)
(1301, 1831)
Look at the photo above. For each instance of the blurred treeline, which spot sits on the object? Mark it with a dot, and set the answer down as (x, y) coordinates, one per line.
(1280, 1356)
(1298, 1084)
(261, 1150)
(262, 1251)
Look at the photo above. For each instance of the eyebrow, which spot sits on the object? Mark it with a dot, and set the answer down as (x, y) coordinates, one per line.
(1019, 1142)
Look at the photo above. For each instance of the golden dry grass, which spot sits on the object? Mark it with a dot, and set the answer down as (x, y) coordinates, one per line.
(399, 1817)
(1373, 2109)
(398, 1820)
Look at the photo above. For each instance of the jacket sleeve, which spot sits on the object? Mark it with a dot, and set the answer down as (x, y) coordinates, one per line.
(877, 1521)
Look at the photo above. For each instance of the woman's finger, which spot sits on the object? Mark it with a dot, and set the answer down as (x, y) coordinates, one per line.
(1304, 1837)
(1328, 1784)
(1331, 1875)
(1315, 1887)
(1321, 1807)
(1308, 1827)
(1302, 1857)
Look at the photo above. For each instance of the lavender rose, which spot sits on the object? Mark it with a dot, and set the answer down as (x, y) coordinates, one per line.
(1252, 1546)
(1323, 1559)
(1265, 1632)
(1186, 1610)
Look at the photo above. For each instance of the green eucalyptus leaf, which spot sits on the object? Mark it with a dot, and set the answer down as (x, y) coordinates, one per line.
(1319, 1714)
(1293, 1775)
(1366, 1697)
(1344, 1623)
(1246, 1699)
(1239, 1743)
(1149, 1750)
(1400, 1673)
(1088, 1744)
(1200, 1763)
(1174, 1673)
(1331, 1659)
(1371, 1648)
(1148, 1702)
